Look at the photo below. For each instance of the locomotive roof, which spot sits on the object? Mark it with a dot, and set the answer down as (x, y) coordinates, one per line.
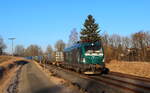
(78, 45)
(73, 47)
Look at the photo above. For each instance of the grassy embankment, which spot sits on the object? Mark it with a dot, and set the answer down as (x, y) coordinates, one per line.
(7, 70)
(141, 69)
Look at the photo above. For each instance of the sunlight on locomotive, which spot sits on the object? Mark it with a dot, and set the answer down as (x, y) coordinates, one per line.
(93, 50)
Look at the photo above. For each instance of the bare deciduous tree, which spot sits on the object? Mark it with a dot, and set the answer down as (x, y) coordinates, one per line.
(147, 38)
(139, 42)
(73, 37)
(115, 40)
(2, 46)
(126, 42)
(49, 53)
(60, 45)
(105, 39)
(33, 50)
(49, 49)
(19, 50)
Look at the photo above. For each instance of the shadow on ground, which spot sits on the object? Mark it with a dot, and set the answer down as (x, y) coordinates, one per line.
(2, 69)
(21, 62)
(10, 66)
(54, 89)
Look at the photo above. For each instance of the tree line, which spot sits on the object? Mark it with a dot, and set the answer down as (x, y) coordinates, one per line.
(135, 47)
(33, 50)
(36, 50)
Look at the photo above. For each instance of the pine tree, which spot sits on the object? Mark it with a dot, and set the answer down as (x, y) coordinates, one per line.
(90, 32)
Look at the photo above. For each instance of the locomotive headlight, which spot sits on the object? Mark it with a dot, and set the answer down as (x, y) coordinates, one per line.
(103, 60)
(92, 44)
(83, 60)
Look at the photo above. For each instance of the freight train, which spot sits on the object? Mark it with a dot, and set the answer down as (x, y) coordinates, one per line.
(87, 58)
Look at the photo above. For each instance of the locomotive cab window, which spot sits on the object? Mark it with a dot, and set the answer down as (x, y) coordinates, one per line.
(93, 50)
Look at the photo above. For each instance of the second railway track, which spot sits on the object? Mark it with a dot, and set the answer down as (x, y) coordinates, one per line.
(130, 84)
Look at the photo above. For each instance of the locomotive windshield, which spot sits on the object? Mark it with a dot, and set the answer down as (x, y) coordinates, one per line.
(93, 50)
(92, 47)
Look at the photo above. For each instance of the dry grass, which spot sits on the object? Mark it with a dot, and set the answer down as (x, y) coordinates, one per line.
(4, 61)
(141, 69)
(5, 81)
(4, 58)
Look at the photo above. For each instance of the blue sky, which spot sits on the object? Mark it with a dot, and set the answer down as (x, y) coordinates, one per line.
(43, 22)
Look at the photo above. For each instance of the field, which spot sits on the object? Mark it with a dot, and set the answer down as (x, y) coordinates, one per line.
(141, 69)
(4, 58)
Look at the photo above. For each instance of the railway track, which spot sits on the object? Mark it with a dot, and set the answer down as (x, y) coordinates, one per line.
(130, 76)
(117, 81)
(124, 82)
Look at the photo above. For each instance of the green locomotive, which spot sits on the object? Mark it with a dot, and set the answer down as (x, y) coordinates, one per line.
(87, 58)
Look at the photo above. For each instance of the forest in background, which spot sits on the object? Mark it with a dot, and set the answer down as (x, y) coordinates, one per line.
(135, 47)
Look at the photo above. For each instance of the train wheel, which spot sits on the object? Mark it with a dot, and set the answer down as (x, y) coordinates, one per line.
(105, 71)
(78, 57)
(78, 70)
